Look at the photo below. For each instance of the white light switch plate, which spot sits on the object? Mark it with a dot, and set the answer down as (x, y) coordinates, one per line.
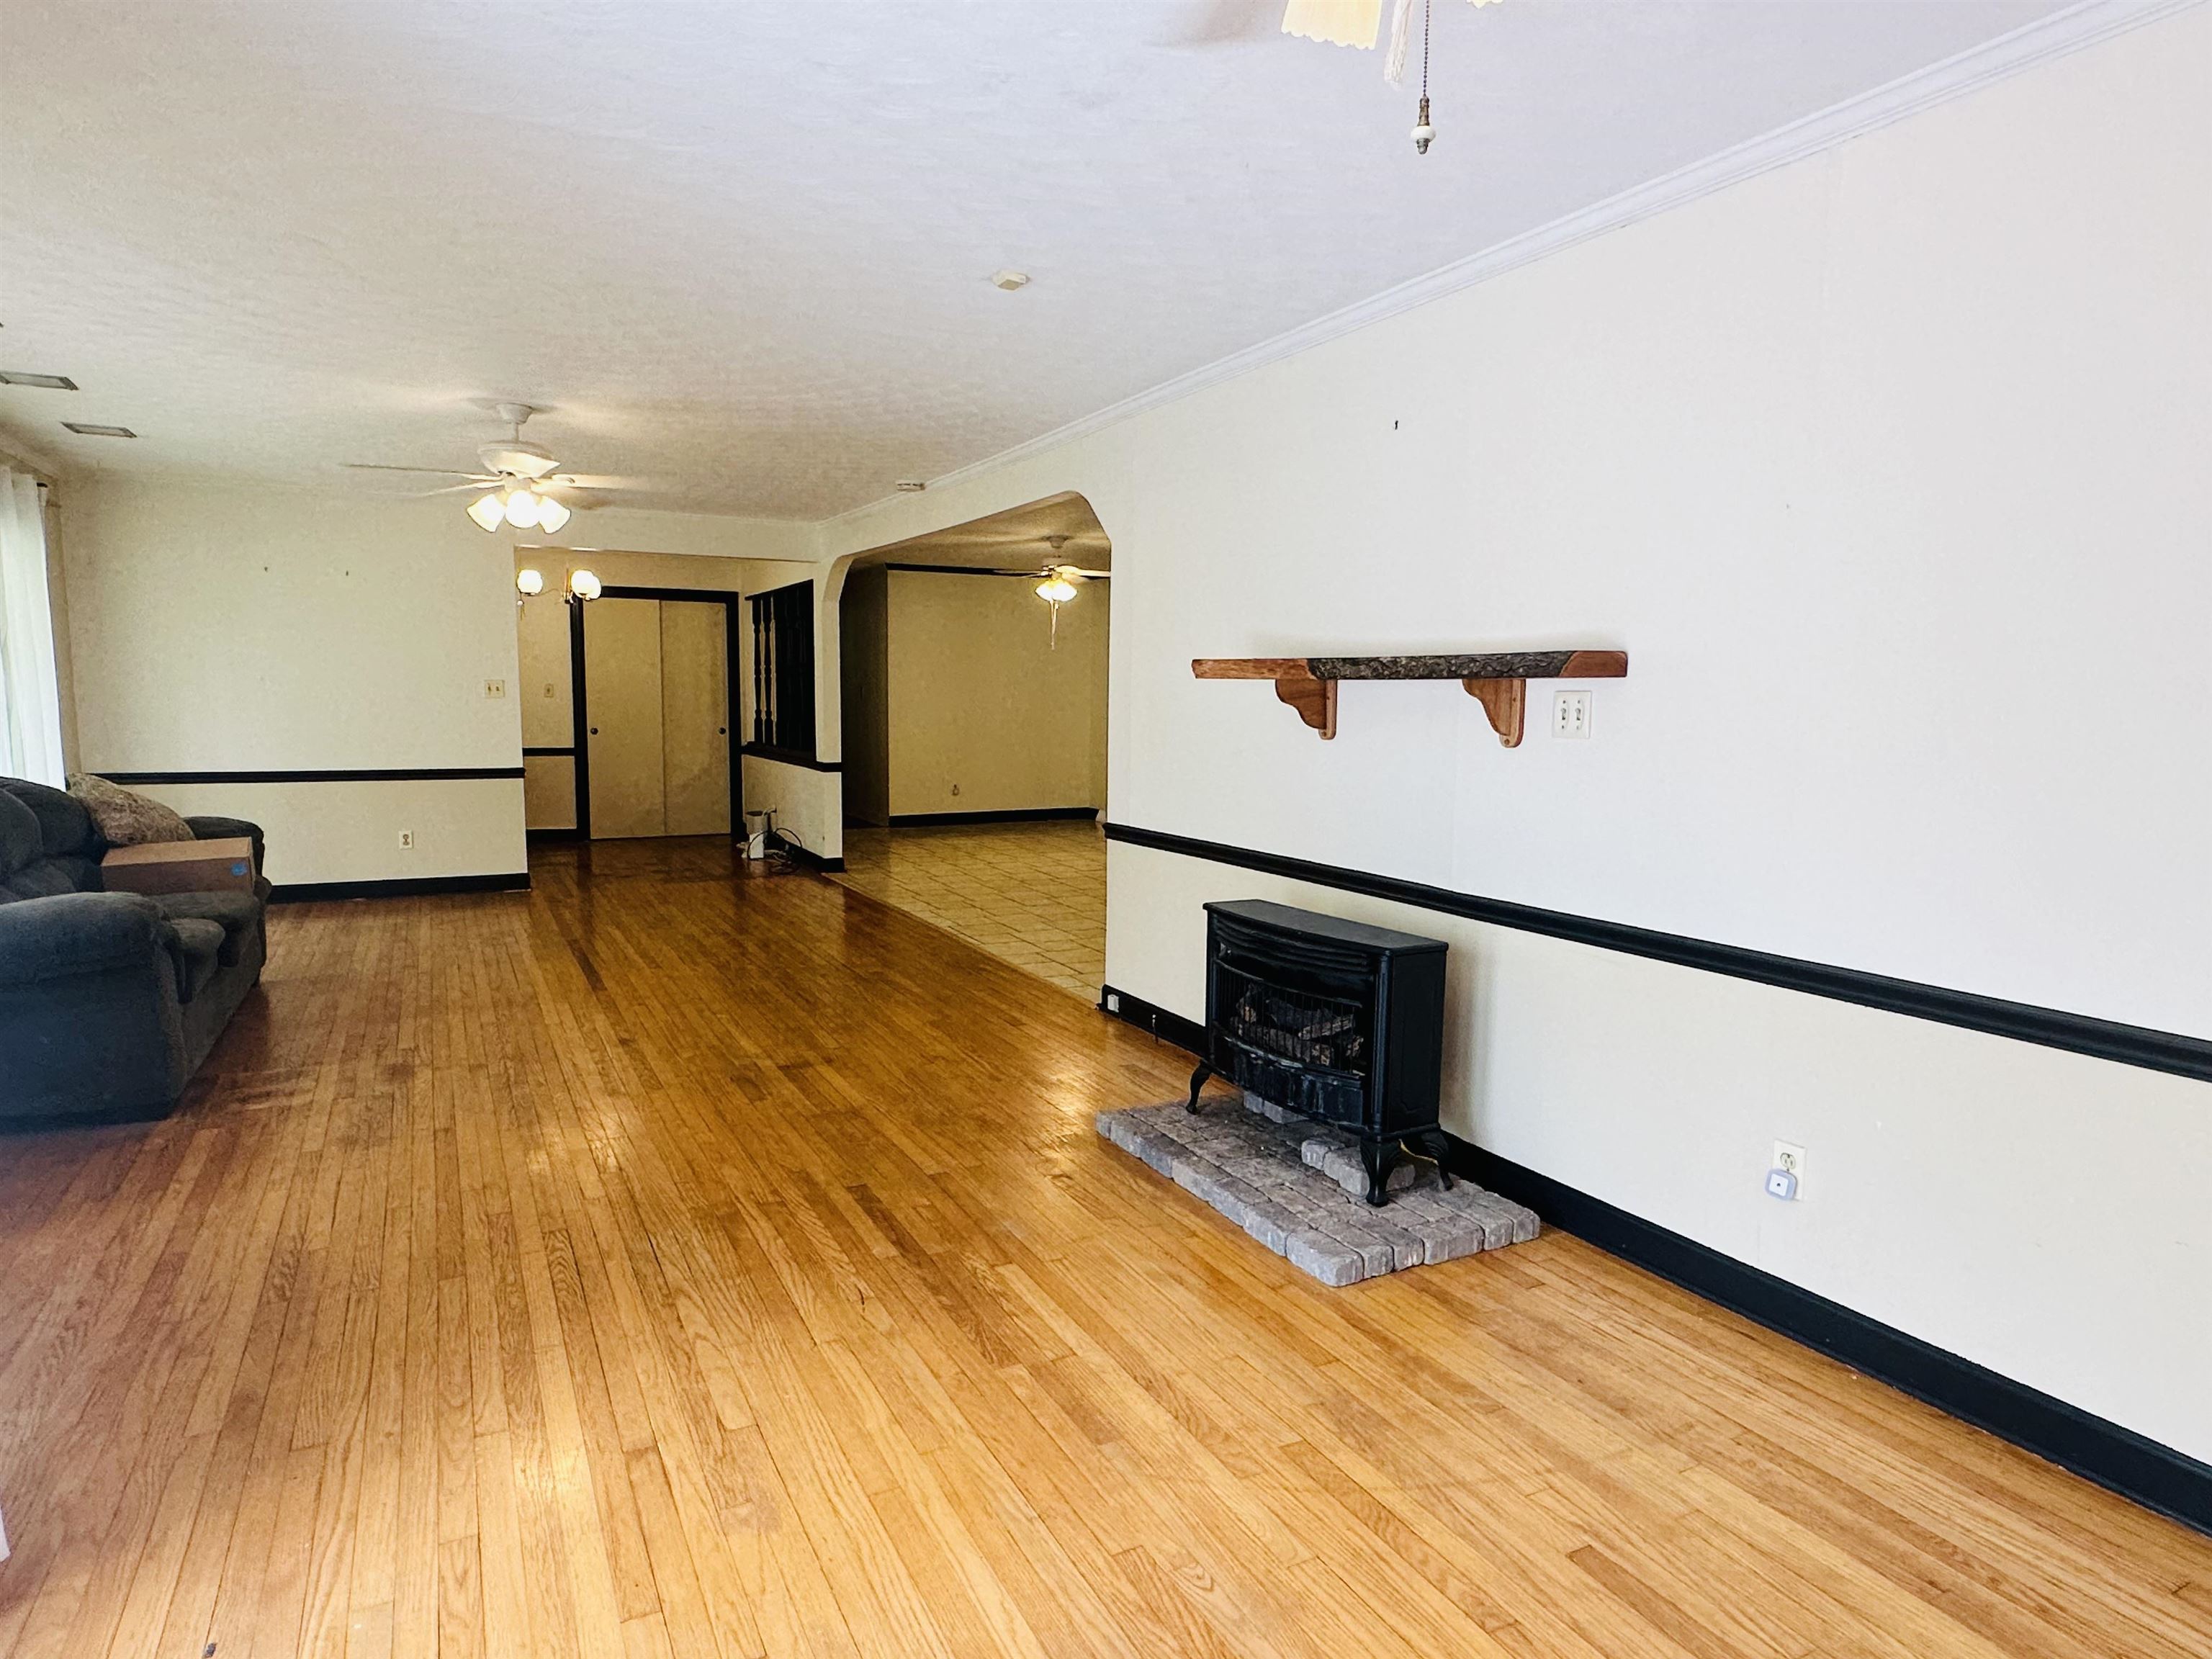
(1570, 713)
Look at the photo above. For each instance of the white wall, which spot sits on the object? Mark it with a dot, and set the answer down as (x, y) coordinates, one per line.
(807, 801)
(1887, 468)
(235, 627)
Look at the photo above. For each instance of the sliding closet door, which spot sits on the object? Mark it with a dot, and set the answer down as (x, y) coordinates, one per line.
(694, 708)
(622, 670)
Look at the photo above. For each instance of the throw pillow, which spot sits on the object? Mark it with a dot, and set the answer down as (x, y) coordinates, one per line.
(126, 819)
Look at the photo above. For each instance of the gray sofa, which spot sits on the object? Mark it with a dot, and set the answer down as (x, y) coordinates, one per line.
(108, 1001)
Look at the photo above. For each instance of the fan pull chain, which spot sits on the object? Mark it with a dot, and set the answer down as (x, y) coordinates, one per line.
(1423, 131)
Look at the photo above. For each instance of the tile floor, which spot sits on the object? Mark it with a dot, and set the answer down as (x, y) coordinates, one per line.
(1033, 894)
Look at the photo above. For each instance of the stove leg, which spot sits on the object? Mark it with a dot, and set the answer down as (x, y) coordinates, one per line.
(1380, 1157)
(1435, 1138)
(1197, 1081)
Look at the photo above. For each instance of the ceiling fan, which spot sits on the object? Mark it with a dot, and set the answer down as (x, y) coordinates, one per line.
(1056, 583)
(517, 483)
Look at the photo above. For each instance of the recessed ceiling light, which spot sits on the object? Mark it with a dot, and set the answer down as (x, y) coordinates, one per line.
(912, 486)
(46, 382)
(1010, 280)
(100, 431)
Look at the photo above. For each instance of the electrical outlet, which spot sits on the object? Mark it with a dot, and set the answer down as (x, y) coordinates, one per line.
(1570, 713)
(1113, 1002)
(494, 688)
(549, 688)
(1790, 1161)
(406, 840)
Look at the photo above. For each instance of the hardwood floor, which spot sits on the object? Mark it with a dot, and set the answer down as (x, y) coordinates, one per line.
(667, 1262)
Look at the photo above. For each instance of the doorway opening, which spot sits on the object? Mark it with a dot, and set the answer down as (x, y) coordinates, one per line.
(972, 682)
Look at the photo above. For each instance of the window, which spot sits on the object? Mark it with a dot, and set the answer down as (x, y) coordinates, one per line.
(783, 670)
(30, 692)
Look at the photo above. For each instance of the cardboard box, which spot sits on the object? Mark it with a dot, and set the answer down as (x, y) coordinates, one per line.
(180, 866)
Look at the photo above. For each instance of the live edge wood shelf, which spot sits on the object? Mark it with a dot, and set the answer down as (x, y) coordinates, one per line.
(1498, 680)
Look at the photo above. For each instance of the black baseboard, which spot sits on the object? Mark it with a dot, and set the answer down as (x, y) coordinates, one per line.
(811, 859)
(2119, 1459)
(2139, 1468)
(312, 892)
(1162, 1022)
(1014, 815)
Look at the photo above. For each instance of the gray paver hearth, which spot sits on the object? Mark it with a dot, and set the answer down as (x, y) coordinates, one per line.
(1298, 1188)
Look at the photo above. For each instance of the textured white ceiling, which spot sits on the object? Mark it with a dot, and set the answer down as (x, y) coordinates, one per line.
(741, 250)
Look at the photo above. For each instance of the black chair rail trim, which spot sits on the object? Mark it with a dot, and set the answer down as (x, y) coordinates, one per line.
(360, 774)
(2119, 1459)
(2052, 1028)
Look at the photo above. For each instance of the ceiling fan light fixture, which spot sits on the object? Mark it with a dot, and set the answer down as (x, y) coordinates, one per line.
(488, 512)
(1055, 589)
(551, 514)
(522, 507)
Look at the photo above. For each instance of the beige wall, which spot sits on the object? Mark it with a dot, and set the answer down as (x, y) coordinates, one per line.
(541, 653)
(223, 627)
(987, 713)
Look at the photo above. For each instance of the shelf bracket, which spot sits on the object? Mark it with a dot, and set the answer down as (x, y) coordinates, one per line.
(1506, 704)
(1498, 680)
(1314, 699)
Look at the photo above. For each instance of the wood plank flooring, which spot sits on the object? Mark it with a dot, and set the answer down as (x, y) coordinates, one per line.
(671, 1263)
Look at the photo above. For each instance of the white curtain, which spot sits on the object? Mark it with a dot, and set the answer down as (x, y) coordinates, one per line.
(30, 689)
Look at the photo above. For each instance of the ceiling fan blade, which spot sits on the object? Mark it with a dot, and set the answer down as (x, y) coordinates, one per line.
(439, 471)
(587, 481)
(1088, 575)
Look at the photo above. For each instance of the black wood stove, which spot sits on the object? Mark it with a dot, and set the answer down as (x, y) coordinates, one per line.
(1332, 1020)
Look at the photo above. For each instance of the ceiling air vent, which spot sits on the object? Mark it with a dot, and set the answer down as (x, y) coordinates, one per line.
(44, 382)
(85, 431)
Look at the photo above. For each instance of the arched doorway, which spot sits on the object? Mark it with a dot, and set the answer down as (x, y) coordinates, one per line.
(973, 713)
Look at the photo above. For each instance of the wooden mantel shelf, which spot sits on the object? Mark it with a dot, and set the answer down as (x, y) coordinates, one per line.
(1498, 680)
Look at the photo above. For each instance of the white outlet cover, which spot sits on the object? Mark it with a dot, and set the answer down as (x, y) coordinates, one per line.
(494, 688)
(1791, 1157)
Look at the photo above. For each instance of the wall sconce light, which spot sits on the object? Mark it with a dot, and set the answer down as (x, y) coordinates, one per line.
(530, 583)
(583, 586)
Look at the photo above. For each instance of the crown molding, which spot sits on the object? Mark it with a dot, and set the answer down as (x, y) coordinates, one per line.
(2063, 32)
